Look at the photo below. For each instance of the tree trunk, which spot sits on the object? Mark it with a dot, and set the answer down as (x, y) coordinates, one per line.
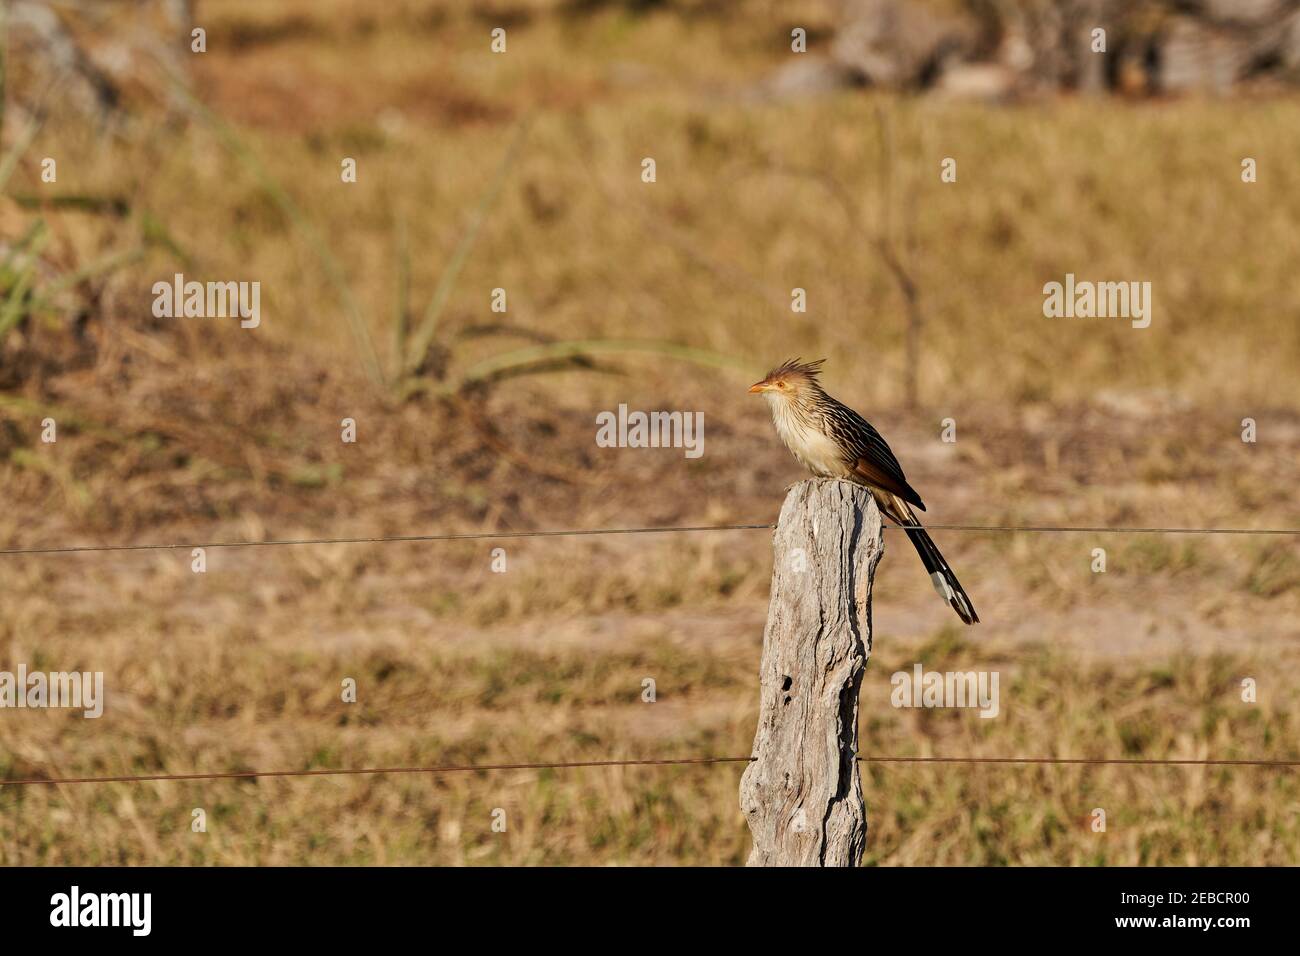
(802, 795)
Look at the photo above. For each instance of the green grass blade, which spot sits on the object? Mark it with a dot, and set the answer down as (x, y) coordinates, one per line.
(109, 263)
(447, 280)
(15, 303)
(402, 316)
(9, 162)
(333, 271)
(516, 358)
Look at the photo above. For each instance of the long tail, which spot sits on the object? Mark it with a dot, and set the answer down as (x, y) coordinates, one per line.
(941, 575)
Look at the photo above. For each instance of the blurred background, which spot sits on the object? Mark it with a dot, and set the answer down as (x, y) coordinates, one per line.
(522, 170)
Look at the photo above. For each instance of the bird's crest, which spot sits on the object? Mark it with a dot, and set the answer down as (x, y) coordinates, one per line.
(796, 371)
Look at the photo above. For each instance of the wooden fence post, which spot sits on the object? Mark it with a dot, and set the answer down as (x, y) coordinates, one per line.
(802, 795)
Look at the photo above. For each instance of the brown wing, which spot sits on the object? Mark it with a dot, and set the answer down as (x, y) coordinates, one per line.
(873, 460)
(890, 480)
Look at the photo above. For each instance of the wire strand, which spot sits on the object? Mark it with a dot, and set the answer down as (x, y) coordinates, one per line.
(667, 762)
(1098, 529)
(381, 539)
(448, 768)
(1089, 761)
(586, 532)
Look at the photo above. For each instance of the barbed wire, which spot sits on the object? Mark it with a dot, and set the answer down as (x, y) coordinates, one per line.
(640, 762)
(587, 532)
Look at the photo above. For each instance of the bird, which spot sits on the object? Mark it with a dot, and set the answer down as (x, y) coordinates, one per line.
(833, 441)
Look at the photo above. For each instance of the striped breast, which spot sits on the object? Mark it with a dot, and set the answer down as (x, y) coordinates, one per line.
(813, 448)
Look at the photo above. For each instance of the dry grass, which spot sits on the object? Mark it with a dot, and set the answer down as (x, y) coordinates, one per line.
(176, 431)
(263, 692)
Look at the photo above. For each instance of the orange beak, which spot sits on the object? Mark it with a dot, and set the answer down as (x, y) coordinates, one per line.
(759, 386)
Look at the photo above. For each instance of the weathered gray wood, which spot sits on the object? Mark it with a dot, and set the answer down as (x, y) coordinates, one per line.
(802, 795)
